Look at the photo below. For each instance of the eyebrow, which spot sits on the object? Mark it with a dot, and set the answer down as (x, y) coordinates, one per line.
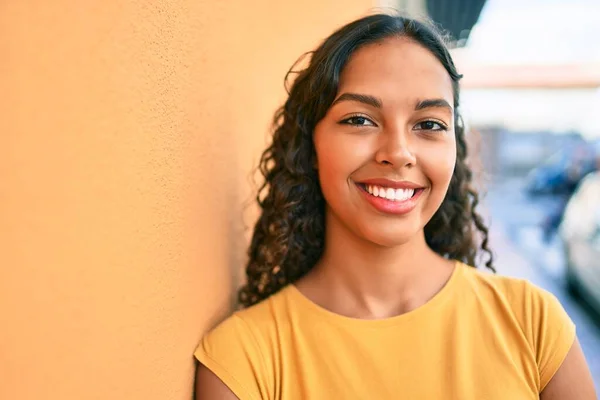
(433, 103)
(361, 98)
(377, 103)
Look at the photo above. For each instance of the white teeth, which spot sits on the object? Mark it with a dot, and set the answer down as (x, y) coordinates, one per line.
(390, 193)
(404, 194)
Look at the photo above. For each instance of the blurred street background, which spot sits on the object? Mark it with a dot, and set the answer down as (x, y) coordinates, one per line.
(531, 102)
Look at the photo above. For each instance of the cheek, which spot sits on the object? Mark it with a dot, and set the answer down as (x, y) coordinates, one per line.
(338, 156)
(333, 176)
(439, 165)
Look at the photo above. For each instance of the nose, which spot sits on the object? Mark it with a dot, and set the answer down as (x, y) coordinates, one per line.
(395, 149)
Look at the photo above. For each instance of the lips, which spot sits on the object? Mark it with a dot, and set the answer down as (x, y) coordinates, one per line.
(391, 197)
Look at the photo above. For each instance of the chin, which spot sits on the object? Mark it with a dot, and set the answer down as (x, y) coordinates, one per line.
(390, 236)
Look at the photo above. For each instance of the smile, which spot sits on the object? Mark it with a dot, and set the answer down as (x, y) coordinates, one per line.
(390, 200)
(390, 193)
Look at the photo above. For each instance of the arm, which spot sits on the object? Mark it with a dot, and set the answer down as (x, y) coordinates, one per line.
(232, 364)
(210, 387)
(572, 380)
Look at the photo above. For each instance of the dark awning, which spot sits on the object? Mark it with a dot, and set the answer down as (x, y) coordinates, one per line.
(456, 16)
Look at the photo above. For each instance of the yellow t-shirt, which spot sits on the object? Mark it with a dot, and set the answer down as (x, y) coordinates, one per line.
(482, 337)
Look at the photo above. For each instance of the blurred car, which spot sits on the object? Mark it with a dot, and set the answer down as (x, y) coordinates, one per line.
(563, 171)
(580, 234)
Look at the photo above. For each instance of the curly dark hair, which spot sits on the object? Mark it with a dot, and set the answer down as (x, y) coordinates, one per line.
(288, 238)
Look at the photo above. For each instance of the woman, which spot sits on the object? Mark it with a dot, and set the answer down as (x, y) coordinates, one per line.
(358, 279)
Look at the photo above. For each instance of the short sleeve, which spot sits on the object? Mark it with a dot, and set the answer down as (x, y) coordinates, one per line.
(231, 352)
(553, 333)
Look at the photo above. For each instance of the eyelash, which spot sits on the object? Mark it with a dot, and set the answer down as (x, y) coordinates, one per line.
(442, 127)
(346, 121)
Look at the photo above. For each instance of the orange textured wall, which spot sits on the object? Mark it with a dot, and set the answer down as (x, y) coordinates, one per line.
(128, 132)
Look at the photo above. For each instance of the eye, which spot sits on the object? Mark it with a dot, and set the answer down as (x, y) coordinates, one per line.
(358, 120)
(430, 126)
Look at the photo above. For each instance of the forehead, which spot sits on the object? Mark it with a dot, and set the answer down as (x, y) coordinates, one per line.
(396, 69)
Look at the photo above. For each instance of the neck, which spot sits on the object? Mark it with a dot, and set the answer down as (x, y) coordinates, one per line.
(361, 279)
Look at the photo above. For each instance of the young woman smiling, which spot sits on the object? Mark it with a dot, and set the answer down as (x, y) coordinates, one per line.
(361, 278)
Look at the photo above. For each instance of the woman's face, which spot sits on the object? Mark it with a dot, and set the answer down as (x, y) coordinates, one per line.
(386, 148)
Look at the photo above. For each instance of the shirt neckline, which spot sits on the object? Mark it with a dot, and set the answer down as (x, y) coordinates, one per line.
(436, 301)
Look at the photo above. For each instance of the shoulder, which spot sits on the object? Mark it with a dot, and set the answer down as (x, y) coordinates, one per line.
(533, 306)
(241, 350)
(250, 326)
(519, 294)
(544, 323)
(267, 317)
